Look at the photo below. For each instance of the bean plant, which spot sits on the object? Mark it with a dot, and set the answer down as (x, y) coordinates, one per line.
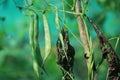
(65, 51)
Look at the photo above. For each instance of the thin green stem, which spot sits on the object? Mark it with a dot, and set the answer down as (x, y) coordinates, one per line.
(107, 75)
(117, 43)
(72, 33)
(64, 17)
(68, 4)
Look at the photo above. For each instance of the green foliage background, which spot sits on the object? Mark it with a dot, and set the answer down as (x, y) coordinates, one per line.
(15, 51)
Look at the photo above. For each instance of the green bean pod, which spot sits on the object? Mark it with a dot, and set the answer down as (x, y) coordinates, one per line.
(47, 38)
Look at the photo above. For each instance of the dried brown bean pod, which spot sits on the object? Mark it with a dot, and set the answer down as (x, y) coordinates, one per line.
(65, 63)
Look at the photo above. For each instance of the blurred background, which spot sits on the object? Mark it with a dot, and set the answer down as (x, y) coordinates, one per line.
(16, 53)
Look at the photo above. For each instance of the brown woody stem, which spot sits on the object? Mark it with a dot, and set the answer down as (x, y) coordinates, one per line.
(82, 30)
